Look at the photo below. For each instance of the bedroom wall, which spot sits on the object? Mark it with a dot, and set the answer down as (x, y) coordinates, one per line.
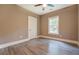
(13, 23)
(78, 22)
(68, 23)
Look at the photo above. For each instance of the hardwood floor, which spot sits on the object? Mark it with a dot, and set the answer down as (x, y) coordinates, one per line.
(41, 47)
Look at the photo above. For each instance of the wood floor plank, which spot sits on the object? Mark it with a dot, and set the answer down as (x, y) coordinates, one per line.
(26, 50)
(41, 47)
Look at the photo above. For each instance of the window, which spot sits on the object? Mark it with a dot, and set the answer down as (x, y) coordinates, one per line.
(53, 23)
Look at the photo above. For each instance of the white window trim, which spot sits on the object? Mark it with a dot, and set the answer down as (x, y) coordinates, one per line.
(57, 26)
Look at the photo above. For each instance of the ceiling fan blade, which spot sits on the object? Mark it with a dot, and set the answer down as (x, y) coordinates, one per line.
(37, 5)
(50, 5)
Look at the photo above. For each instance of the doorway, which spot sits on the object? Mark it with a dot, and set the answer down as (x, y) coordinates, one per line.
(32, 27)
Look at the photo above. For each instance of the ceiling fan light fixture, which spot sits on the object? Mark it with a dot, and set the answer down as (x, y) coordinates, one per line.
(44, 5)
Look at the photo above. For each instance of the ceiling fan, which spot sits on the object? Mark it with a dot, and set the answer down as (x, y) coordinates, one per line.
(44, 5)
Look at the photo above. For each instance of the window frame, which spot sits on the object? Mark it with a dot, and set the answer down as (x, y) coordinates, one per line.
(56, 26)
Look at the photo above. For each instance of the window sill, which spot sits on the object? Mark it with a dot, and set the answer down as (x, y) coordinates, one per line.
(53, 33)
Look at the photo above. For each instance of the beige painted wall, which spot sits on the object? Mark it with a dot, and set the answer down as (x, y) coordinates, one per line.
(13, 23)
(67, 23)
(78, 22)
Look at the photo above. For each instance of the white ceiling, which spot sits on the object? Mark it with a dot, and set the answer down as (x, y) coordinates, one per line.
(38, 10)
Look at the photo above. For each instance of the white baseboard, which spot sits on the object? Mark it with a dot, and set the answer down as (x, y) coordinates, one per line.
(12, 43)
(64, 40)
(24, 40)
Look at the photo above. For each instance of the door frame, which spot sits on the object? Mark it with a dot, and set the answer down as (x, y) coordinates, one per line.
(29, 29)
